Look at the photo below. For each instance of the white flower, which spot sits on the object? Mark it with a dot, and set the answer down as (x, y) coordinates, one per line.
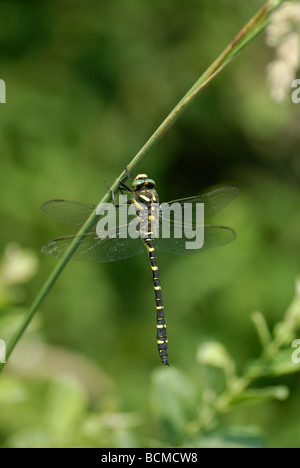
(18, 265)
(289, 50)
(280, 78)
(283, 20)
(283, 34)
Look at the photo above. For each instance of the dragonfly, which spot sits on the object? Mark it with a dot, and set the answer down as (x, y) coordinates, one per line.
(105, 246)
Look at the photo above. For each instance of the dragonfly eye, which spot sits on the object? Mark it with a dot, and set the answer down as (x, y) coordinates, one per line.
(137, 184)
(150, 183)
(142, 180)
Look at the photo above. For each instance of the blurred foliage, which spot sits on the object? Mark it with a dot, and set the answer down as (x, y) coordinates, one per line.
(87, 84)
(65, 401)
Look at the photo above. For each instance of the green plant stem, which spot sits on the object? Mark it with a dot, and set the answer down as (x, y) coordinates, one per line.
(272, 343)
(247, 34)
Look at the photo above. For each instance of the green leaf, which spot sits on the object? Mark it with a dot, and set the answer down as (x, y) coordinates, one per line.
(280, 364)
(257, 395)
(172, 399)
(214, 356)
(213, 353)
(262, 329)
(230, 437)
(66, 404)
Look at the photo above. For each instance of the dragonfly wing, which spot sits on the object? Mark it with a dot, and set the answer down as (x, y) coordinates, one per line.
(213, 203)
(92, 248)
(68, 212)
(76, 213)
(214, 236)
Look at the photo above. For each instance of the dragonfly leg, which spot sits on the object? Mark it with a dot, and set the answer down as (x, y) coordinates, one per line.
(126, 175)
(114, 196)
(112, 192)
(122, 185)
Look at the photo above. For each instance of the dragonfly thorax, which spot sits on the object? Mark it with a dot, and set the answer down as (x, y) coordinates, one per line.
(147, 210)
(144, 198)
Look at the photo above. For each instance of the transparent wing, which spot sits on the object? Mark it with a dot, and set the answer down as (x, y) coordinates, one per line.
(213, 203)
(91, 248)
(214, 236)
(76, 213)
(69, 212)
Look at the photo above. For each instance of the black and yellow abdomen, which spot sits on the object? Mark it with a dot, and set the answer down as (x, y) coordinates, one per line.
(146, 202)
(162, 341)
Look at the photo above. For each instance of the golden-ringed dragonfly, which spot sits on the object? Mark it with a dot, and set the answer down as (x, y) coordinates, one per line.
(106, 246)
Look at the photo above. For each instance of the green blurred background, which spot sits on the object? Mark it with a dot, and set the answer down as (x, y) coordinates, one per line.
(87, 84)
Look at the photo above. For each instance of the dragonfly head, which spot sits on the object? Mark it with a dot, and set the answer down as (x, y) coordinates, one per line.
(142, 181)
